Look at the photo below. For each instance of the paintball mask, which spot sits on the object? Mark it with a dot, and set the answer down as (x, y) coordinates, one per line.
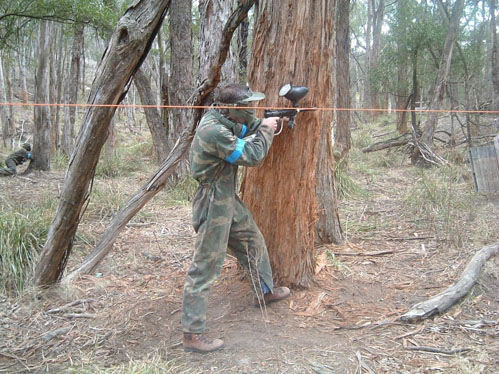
(246, 115)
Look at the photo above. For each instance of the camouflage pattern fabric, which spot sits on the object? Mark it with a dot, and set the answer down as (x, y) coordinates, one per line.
(220, 218)
(13, 160)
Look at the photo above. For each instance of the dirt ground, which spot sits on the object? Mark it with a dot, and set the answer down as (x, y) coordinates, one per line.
(130, 308)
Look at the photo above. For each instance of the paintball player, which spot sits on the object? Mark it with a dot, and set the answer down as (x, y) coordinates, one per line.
(17, 158)
(225, 139)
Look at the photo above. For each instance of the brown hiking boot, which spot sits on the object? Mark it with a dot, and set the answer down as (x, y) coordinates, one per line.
(280, 293)
(201, 343)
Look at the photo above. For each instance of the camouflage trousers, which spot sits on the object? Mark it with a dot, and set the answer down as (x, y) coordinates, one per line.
(221, 223)
(10, 169)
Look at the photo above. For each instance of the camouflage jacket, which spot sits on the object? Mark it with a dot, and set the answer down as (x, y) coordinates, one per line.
(19, 157)
(221, 144)
(219, 147)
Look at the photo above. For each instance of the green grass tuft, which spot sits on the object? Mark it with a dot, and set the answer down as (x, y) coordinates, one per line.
(182, 192)
(23, 231)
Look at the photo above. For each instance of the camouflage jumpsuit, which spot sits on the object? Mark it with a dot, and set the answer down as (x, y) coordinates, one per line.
(220, 218)
(15, 159)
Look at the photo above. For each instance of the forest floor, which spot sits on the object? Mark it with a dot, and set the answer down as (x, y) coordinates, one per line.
(127, 315)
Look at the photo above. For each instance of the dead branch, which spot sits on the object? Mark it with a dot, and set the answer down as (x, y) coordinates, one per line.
(78, 315)
(380, 253)
(443, 301)
(438, 350)
(70, 305)
(395, 142)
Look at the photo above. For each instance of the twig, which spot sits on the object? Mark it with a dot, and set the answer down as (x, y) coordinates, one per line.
(362, 364)
(67, 306)
(410, 333)
(18, 359)
(78, 315)
(411, 238)
(438, 350)
(380, 253)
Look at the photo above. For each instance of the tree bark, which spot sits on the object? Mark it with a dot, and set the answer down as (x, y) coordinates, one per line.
(444, 300)
(127, 49)
(159, 179)
(327, 228)
(242, 43)
(213, 16)
(438, 91)
(42, 133)
(72, 90)
(153, 115)
(5, 116)
(494, 56)
(343, 138)
(279, 191)
(181, 82)
(376, 13)
(59, 87)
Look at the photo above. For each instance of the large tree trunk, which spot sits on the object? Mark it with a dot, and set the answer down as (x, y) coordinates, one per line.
(438, 91)
(72, 90)
(494, 57)
(343, 140)
(281, 193)
(127, 49)
(181, 82)
(157, 182)
(153, 115)
(42, 133)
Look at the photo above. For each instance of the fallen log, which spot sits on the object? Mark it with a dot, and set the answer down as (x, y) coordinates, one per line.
(444, 300)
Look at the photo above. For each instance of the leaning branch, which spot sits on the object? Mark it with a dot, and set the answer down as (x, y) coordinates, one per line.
(443, 301)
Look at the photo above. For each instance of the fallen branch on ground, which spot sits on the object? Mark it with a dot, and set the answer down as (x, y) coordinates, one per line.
(444, 300)
(380, 253)
(438, 350)
(69, 305)
(395, 142)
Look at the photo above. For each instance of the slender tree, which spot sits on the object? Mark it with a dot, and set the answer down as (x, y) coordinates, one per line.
(153, 114)
(72, 84)
(181, 81)
(441, 79)
(5, 116)
(343, 140)
(494, 56)
(42, 135)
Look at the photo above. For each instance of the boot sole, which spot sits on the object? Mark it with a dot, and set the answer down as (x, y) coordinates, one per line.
(270, 301)
(195, 350)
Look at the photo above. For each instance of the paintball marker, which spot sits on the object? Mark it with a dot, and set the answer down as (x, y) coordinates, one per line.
(293, 94)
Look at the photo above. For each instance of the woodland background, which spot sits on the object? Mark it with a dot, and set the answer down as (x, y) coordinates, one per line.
(384, 56)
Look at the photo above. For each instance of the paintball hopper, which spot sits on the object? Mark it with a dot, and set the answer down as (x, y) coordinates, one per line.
(293, 93)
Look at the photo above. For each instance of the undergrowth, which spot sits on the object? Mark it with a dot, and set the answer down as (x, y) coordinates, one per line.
(443, 204)
(23, 231)
(153, 365)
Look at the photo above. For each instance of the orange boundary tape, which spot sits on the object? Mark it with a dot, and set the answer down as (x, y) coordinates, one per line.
(258, 108)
